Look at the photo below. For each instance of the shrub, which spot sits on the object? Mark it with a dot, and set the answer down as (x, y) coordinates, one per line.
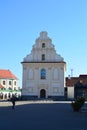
(76, 105)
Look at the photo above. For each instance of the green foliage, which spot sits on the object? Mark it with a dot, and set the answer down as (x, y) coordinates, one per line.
(76, 105)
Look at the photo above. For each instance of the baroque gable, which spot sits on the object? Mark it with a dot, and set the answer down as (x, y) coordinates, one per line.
(43, 50)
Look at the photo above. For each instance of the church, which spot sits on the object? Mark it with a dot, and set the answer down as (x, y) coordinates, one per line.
(43, 75)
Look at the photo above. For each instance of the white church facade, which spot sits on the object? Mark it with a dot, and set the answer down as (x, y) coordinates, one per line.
(43, 71)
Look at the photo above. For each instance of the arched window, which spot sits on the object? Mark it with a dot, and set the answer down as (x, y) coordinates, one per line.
(43, 45)
(43, 56)
(9, 82)
(43, 74)
(3, 82)
(14, 82)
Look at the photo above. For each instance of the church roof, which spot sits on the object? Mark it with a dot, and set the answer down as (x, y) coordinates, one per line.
(7, 74)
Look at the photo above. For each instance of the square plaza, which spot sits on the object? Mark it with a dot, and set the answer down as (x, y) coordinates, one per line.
(41, 115)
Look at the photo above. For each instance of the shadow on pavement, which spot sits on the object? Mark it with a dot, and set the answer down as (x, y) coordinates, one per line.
(42, 117)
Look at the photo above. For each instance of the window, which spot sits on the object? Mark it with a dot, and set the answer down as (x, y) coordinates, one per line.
(14, 82)
(9, 82)
(43, 45)
(43, 56)
(3, 82)
(43, 74)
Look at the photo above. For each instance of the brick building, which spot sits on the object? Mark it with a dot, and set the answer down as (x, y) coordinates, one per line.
(76, 86)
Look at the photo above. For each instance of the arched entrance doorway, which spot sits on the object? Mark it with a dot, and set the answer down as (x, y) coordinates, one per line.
(42, 93)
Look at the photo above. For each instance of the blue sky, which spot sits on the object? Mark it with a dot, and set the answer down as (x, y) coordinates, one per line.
(21, 21)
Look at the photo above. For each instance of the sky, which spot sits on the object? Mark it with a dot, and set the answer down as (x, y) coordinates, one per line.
(21, 22)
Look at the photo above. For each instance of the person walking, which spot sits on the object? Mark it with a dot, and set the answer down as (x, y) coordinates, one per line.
(13, 101)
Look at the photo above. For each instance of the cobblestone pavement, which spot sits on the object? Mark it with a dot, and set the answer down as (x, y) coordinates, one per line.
(41, 115)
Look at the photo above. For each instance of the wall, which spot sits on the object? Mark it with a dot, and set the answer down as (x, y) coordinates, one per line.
(70, 92)
(53, 84)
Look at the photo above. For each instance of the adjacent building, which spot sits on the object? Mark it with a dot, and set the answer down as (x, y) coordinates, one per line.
(8, 84)
(76, 87)
(43, 71)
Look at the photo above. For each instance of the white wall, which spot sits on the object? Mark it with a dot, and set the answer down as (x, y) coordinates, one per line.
(7, 85)
(70, 92)
(54, 82)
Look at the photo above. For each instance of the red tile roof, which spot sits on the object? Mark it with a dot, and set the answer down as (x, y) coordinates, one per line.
(74, 80)
(7, 74)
